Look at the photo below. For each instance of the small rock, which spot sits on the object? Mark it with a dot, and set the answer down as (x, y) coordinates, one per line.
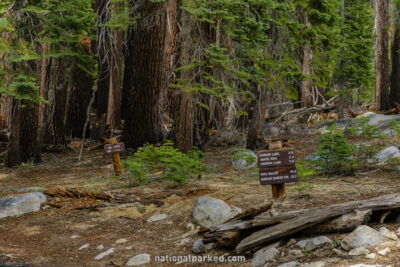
(338, 252)
(295, 253)
(313, 243)
(385, 232)
(290, 264)
(158, 217)
(291, 242)
(243, 164)
(128, 248)
(371, 256)
(363, 236)
(199, 246)
(263, 256)
(84, 246)
(100, 247)
(139, 260)
(314, 264)
(190, 227)
(312, 157)
(359, 251)
(208, 212)
(103, 254)
(11, 206)
(74, 236)
(121, 241)
(183, 242)
(383, 252)
(390, 244)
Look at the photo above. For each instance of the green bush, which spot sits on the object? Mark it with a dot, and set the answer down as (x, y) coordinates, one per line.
(334, 152)
(174, 165)
(243, 155)
(365, 132)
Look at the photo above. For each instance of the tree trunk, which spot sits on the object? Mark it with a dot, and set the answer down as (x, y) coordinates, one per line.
(103, 50)
(56, 94)
(255, 138)
(395, 56)
(382, 63)
(114, 97)
(78, 98)
(13, 120)
(144, 76)
(183, 128)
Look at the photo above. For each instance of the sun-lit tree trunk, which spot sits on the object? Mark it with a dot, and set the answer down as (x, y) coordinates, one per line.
(103, 50)
(144, 77)
(382, 64)
(183, 128)
(114, 96)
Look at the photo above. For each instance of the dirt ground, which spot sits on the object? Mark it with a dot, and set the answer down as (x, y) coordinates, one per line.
(53, 235)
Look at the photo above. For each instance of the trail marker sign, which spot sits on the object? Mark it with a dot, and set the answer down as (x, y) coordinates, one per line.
(114, 148)
(277, 167)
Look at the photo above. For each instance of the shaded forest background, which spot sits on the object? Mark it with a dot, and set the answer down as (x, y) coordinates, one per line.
(152, 70)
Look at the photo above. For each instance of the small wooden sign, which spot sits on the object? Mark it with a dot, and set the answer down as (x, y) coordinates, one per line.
(114, 148)
(267, 159)
(278, 175)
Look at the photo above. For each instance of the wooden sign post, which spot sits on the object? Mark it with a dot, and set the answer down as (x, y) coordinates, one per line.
(277, 167)
(115, 148)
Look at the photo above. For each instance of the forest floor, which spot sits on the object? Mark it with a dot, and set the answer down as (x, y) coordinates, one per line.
(53, 235)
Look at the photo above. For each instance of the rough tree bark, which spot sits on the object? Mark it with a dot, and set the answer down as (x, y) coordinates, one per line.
(144, 76)
(55, 93)
(183, 128)
(78, 97)
(395, 56)
(382, 63)
(114, 97)
(256, 119)
(102, 47)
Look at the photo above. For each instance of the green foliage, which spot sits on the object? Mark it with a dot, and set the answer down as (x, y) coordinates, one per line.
(304, 187)
(358, 49)
(141, 208)
(334, 152)
(365, 132)
(66, 28)
(175, 166)
(241, 154)
(305, 170)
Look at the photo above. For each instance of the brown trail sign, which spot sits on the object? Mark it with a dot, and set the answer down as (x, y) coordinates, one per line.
(115, 148)
(277, 167)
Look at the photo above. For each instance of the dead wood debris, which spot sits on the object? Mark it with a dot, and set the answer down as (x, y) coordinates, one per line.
(250, 231)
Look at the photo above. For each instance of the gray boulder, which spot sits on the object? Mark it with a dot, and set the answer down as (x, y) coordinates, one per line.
(139, 260)
(314, 243)
(208, 212)
(363, 236)
(243, 164)
(263, 256)
(12, 206)
(387, 153)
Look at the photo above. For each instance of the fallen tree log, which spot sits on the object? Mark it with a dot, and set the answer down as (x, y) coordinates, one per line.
(304, 219)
